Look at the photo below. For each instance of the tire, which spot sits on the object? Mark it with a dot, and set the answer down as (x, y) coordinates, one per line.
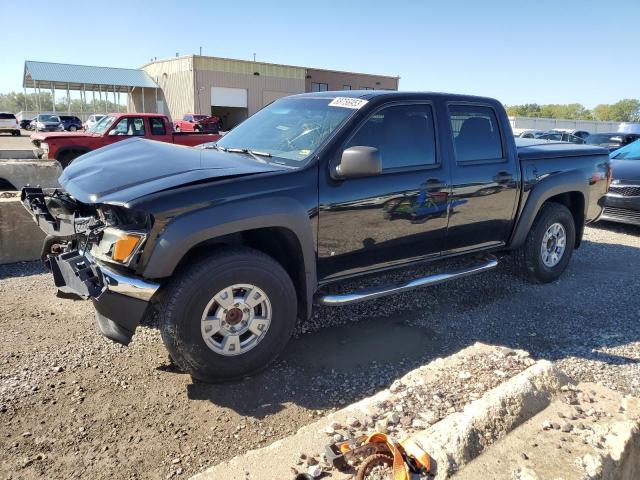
(189, 297)
(530, 258)
(72, 128)
(196, 129)
(67, 158)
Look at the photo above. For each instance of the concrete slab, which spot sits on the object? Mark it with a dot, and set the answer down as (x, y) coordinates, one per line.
(23, 154)
(490, 417)
(19, 173)
(604, 445)
(20, 238)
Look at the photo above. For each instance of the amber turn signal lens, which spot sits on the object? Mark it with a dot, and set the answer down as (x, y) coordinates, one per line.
(124, 247)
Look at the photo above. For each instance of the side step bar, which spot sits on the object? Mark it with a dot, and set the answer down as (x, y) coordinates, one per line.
(489, 262)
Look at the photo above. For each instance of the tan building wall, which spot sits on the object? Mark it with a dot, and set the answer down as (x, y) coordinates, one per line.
(175, 77)
(337, 80)
(270, 83)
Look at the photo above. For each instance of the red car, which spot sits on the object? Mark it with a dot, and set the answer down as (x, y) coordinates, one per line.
(198, 123)
(66, 146)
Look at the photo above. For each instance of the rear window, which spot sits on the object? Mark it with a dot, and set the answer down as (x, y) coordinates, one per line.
(476, 135)
(7, 116)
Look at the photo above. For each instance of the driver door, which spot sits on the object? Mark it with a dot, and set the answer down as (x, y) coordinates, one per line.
(397, 217)
(126, 127)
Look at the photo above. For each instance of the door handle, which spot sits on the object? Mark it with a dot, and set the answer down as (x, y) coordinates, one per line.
(503, 177)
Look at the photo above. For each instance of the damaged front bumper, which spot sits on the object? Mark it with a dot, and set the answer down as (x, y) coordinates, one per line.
(121, 301)
(120, 298)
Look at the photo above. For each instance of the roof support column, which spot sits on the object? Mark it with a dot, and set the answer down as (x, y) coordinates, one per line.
(82, 102)
(93, 104)
(156, 90)
(142, 99)
(26, 107)
(68, 99)
(53, 97)
(115, 102)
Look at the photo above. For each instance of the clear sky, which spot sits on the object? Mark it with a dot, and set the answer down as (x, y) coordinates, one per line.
(544, 51)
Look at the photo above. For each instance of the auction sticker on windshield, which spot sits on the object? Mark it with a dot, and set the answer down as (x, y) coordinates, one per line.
(347, 102)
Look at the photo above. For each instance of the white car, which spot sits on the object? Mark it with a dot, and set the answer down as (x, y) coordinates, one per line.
(9, 123)
(92, 120)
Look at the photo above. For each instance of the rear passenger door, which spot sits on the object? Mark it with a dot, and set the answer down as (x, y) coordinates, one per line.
(485, 174)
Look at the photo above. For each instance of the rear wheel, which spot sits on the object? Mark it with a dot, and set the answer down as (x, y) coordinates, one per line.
(549, 244)
(228, 315)
(72, 128)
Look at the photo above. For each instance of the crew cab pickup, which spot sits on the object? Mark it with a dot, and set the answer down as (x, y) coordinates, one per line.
(229, 244)
(66, 146)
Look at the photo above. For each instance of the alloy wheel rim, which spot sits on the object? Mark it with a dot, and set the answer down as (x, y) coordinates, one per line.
(554, 243)
(236, 319)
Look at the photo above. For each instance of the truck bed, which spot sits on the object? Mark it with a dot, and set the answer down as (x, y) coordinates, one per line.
(534, 149)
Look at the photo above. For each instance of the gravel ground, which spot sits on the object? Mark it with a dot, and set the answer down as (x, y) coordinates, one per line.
(74, 405)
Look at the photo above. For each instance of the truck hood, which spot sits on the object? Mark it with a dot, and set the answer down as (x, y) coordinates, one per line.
(130, 169)
(43, 136)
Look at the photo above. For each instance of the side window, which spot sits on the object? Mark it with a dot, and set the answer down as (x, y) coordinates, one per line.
(131, 126)
(476, 135)
(188, 118)
(403, 134)
(157, 126)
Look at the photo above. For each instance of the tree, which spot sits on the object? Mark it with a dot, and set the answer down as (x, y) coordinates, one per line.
(15, 102)
(627, 110)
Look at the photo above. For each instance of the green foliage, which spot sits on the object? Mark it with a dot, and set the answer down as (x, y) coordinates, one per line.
(627, 110)
(15, 102)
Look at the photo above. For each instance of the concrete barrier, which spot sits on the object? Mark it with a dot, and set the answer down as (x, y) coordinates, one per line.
(19, 173)
(20, 238)
(17, 154)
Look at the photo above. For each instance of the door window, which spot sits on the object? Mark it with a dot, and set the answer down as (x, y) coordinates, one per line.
(403, 134)
(476, 135)
(157, 126)
(131, 126)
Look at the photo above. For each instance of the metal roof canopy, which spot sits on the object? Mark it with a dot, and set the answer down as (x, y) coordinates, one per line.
(83, 77)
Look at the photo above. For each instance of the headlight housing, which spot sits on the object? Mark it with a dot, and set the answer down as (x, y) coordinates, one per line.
(118, 246)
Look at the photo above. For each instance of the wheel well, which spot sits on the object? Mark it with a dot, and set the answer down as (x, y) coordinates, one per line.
(6, 185)
(280, 243)
(574, 201)
(64, 154)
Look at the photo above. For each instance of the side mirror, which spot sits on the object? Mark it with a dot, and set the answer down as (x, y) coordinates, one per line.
(359, 162)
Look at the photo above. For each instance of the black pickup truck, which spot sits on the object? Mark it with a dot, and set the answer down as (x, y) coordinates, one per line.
(230, 243)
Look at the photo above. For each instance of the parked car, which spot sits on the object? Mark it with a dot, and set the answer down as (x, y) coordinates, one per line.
(612, 141)
(622, 203)
(71, 123)
(560, 137)
(92, 120)
(231, 243)
(198, 123)
(9, 124)
(26, 124)
(45, 122)
(112, 128)
(529, 133)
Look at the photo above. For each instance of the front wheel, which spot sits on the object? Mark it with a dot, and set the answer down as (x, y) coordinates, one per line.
(549, 244)
(228, 315)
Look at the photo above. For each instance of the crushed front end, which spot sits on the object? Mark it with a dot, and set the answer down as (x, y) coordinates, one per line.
(92, 251)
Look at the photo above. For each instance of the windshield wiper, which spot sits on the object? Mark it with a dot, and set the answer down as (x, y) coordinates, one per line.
(254, 153)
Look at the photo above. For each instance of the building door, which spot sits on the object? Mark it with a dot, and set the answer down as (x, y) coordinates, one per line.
(230, 105)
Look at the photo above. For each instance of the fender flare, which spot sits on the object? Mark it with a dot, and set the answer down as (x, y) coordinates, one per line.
(186, 231)
(547, 187)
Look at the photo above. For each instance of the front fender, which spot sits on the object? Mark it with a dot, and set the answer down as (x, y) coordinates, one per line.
(541, 191)
(186, 231)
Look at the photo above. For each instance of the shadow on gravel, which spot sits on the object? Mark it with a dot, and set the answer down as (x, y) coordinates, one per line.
(617, 227)
(593, 307)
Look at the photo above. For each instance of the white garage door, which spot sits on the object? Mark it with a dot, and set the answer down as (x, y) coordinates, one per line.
(228, 97)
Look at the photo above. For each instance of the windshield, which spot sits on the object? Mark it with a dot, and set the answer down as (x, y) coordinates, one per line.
(103, 125)
(48, 118)
(630, 152)
(290, 129)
